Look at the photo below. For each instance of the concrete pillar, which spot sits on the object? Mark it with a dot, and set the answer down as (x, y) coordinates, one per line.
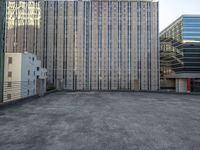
(181, 85)
(40, 87)
(60, 84)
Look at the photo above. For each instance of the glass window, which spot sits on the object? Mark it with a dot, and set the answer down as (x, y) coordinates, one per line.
(191, 18)
(192, 36)
(193, 32)
(190, 27)
(191, 23)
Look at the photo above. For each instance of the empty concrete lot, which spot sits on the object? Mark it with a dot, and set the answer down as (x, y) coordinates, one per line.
(102, 121)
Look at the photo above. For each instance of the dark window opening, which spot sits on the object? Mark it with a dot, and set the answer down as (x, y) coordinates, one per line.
(9, 84)
(8, 96)
(9, 60)
(9, 74)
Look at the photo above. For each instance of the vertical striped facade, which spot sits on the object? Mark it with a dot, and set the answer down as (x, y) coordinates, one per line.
(89, 44)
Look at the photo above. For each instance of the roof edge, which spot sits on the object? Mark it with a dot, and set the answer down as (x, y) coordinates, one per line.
(177, 20)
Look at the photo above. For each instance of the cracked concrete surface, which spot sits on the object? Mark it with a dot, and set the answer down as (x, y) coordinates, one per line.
(102, 121)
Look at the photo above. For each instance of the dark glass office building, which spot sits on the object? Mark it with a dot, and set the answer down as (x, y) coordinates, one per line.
(180, 54)
(2, 22)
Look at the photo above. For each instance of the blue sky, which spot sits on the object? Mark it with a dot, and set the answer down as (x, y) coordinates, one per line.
(170, 10)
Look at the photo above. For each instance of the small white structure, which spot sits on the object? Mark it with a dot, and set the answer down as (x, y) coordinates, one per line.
(23, 76)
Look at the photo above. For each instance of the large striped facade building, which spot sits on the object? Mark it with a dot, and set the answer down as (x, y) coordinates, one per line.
(89, 44)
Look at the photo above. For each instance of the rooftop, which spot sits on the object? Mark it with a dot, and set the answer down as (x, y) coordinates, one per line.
(106, 0)
(102, 121)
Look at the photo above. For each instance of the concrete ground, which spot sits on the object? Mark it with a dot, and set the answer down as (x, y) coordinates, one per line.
(102, 121)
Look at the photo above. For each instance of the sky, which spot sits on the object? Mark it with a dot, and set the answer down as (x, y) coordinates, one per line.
(170, 10)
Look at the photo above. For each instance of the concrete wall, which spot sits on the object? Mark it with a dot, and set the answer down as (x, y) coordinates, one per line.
(28, 74)
(181, 85)
(24, 75)
(15, 68)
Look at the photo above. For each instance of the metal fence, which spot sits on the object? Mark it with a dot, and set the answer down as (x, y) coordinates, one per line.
(17, 89)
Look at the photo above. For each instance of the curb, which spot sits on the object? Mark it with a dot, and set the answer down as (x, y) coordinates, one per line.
(23, 100)
(18, 101)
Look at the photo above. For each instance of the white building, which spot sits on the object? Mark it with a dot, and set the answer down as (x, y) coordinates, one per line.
(23, 76)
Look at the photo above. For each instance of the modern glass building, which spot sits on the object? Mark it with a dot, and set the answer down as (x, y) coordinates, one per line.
(180, 54)
(2, 31)
(89, 44)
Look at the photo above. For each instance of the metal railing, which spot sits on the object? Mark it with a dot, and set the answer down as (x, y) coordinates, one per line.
(16, 90)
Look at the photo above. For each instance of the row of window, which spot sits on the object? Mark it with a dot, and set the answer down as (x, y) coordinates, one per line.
(10, 59)
(9, 96)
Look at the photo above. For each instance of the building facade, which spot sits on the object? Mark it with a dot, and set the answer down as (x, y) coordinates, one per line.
(22, 73)
(2, 25)
(89, 44)
(180, 54)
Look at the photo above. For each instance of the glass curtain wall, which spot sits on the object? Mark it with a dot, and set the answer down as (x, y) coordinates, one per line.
(2, 23)
(180, 48)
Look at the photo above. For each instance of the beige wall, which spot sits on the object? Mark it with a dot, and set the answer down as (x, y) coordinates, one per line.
(22, 82)
(15, 68)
